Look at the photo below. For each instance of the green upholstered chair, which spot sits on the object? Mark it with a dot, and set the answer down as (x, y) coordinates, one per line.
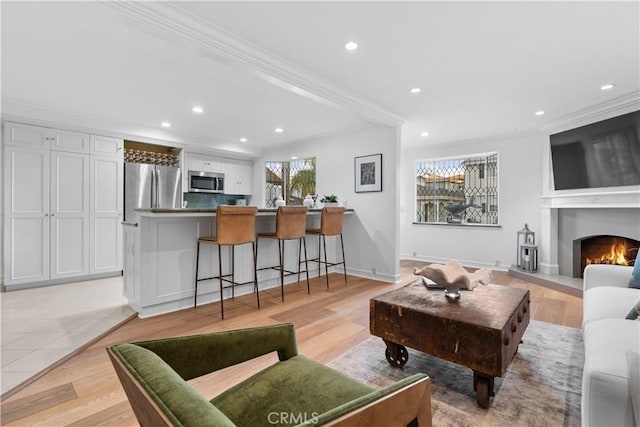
(293, 391)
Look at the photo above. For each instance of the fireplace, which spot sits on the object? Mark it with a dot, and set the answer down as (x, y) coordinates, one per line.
(603, 249)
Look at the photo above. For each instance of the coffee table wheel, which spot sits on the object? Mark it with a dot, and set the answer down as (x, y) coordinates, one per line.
(482, 391)
(397, 356)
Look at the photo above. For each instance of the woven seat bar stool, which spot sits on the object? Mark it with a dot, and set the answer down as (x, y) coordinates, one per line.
(330, 225)
(291, 224)
(235, 225)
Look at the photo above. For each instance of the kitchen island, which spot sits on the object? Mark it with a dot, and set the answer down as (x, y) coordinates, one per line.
(160, 258)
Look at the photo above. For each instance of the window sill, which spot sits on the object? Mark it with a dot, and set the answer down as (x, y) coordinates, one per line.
(458, 224)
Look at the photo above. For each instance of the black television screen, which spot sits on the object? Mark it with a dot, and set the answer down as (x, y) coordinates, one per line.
(602, 154)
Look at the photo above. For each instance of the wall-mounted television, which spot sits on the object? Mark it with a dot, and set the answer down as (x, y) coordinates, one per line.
(599, 155)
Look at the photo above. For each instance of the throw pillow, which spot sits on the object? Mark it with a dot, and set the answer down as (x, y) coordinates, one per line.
(635, 311)
(634, 282)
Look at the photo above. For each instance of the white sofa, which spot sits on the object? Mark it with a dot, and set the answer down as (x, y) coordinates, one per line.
(608, 337)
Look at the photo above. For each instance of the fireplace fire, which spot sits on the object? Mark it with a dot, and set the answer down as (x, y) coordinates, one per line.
(603, 250)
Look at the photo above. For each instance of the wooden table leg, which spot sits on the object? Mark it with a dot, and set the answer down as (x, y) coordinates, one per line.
(483, 385)
(396, 354)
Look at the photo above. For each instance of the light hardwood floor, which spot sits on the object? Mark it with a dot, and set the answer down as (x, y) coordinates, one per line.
(84, 391)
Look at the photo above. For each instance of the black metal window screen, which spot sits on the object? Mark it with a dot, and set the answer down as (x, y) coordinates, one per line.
(292, 180)
(458, 190)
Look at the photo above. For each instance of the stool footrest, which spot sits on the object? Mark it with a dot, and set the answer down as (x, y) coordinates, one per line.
(328, 263)
(233, 284)
(285, 272)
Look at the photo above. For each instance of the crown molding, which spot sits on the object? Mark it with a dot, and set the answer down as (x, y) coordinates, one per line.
(216, 43)
(621, 105)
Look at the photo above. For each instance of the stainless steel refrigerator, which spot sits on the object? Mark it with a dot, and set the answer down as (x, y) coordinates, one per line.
(150, 186)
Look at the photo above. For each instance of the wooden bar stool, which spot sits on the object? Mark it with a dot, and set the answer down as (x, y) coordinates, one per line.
(235, 225)
(330, 225)
(291, 222)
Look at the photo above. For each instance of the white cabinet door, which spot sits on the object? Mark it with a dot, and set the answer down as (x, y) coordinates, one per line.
(106, 214)
(199, 162)
(106, 146)
(245, 178)
(27, 135)
(230, 177)
(69, 214)
(64, 140)
(195, 162)
(26, 237)
(238, 177)
(214, 164)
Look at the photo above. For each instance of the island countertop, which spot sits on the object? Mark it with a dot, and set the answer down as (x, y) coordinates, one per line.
(211, 210)
(157, 212)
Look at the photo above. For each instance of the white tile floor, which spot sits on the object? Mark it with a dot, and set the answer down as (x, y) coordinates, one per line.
(42, 325)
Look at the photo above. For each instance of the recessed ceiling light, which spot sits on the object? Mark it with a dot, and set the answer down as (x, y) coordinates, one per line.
(424, 134)
(197, 109)
(540, 113)
(416, 90)
(243, 139)
(294, 157)
(165, 124)
(607, 86)
(351, 45)
(278, 130)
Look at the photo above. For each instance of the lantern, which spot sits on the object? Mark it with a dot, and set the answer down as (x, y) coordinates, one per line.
(528, 257)
(526, 248)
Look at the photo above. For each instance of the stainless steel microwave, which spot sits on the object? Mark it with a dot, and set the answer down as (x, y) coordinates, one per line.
(206, 182)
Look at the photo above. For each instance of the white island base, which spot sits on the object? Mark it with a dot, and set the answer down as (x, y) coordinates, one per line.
(160, 259)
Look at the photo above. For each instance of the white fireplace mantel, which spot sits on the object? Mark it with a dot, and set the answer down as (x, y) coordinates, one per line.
(608, 199)
(553, 202)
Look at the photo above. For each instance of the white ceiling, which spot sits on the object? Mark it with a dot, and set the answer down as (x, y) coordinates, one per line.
(484, 67)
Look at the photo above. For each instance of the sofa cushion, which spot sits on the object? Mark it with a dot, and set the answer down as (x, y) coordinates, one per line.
(635, 311)
(608, 302)
(290, 380)
(634, 282)
(605, 388)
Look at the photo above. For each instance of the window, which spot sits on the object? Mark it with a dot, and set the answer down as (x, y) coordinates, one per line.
(458, 190)
(291, 180)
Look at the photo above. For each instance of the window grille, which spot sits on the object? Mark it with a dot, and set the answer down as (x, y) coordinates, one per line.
(292, 180)
(458, 190)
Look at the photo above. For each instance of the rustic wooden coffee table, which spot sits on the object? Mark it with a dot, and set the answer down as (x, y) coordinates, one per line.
(481, 330)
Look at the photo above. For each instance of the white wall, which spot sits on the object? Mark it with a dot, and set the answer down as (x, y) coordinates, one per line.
(371, 236)
(520, 186)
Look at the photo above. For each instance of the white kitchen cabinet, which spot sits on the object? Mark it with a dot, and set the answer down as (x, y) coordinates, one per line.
(238, 177)
(195, 162)
(62, 205)
(69, 214)
(27, 135)
(106, 146)
(106, 209)
(39, 136)
(199, 162)
(26, 203)
(64, 140)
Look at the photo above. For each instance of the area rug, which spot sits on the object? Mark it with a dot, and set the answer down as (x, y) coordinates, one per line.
(541, 387)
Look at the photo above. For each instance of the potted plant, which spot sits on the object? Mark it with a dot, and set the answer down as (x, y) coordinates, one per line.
(331, 200)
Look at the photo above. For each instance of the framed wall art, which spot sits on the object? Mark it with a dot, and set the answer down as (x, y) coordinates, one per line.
(368, 173)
